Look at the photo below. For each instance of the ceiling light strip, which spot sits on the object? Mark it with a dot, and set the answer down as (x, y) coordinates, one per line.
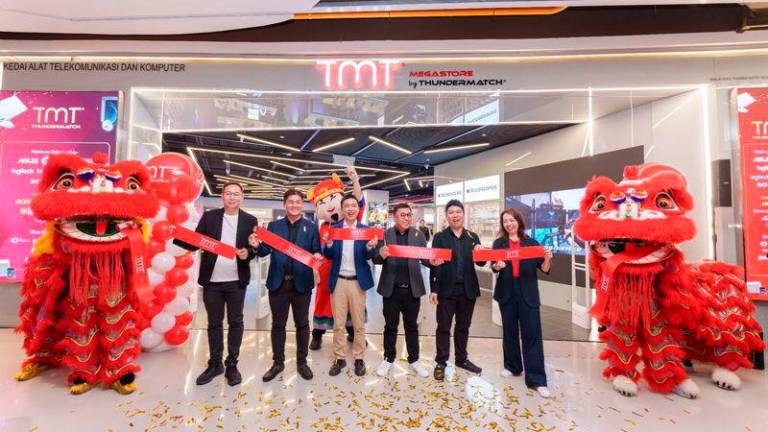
(286, 165)
(267, 142)
(460, 147)
(333, 144)
(390, 144)
(258, 168)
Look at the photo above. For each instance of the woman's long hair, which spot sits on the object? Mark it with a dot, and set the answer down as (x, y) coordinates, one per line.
(515, 213)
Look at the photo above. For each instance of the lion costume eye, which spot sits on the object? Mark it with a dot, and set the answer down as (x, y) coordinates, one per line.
(598, 204)
(133, 184)
(664, 201)
(65, 181)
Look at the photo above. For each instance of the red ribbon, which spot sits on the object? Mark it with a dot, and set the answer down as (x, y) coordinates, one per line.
(282, 245)
(356, 233)
(419, 252)
(138, 265)
(204, 242)
(527, 252)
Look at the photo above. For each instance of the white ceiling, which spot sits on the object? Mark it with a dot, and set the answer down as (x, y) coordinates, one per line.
(164, 17)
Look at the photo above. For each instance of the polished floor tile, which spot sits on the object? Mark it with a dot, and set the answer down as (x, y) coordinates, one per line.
(168, 398)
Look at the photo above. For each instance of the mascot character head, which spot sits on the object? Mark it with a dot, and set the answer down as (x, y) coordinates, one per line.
(326, 196)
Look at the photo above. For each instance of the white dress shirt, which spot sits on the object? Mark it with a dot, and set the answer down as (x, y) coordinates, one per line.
(348, 255)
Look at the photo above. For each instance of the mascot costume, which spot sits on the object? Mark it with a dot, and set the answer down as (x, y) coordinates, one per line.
(79, 304)
(326, 196)
(656, 307)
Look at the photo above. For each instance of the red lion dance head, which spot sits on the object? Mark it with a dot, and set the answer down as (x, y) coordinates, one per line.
(79, 306)
(654, 306)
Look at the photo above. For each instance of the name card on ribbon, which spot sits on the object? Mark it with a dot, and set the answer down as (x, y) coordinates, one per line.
(282, 245)
(356, 233)
(419, 252)
(204, 242)
(528, 252)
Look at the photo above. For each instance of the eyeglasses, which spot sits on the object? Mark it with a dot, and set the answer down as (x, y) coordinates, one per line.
(405, 215)
(233, 194)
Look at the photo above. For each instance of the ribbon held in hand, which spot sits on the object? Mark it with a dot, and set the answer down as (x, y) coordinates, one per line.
(418, 252)
(527, 252)
(203, 242)
(291, 250)
(356, 233)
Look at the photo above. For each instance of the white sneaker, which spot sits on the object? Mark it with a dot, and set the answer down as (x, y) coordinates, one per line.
(543, 392)
(384, 368)
(419, 369)
(505, 373)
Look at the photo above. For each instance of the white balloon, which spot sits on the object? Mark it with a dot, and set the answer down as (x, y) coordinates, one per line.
(175, 250)
(190, 224)
(163, 322)
(161, 215)
(162, 347)
(177, 306)
(155, 278)
(150, 338)
(186, 290)
(163, 262)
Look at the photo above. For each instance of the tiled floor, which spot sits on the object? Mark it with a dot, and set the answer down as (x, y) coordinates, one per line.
(168, 399)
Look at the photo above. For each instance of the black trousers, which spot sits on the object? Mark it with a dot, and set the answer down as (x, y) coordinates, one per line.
(462, 308)
(216, 297)
(518, 319)
(279, 301)
(401, 301)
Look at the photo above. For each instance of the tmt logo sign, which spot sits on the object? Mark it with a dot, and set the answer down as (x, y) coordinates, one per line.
(360, 74)
(56, 117)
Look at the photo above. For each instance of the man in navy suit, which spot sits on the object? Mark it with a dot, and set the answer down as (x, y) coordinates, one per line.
(348, 283)
(290, 283)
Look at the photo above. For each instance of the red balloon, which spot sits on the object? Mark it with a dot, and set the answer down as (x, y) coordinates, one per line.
(177, 214)
(185, 261)
(176, 276)
(184, 319)
(155, 247)
(161, 231)
(154, 307)
(164, 293)
(177, 335)
(167, 167)
(142, 323)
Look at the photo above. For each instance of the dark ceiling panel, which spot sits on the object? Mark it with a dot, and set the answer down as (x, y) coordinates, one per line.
(277, 166)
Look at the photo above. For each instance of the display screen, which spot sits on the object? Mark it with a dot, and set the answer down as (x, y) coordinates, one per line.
(550, 217)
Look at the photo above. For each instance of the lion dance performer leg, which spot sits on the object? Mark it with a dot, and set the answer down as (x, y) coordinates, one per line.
(326, 196)
(80, 300)
(658, 309)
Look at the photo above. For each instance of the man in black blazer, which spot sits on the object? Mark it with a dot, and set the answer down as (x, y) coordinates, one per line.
(224, 281)
(455, 289)
(290, 283)
(402, 287)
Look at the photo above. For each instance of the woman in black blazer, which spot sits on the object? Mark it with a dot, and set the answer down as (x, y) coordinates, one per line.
(517, 292)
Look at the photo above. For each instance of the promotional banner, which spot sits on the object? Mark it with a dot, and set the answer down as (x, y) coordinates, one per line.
(33, 126)
(753, 139)
(528, 252)
(203, 242)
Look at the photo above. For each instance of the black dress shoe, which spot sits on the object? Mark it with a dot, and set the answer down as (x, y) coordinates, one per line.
(212, 371)
(350, 338)
(469, 366)
(317, 342)
(305, 372)
(233, 375)
(274, 371)
(439, 372)
(359, 367)
(337, 366)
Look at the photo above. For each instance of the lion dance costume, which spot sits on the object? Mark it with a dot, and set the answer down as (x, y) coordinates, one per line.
(80, 306)
(656, 307)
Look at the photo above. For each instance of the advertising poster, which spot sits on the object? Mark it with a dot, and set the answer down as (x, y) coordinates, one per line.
(33, 126)
(753, 141)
